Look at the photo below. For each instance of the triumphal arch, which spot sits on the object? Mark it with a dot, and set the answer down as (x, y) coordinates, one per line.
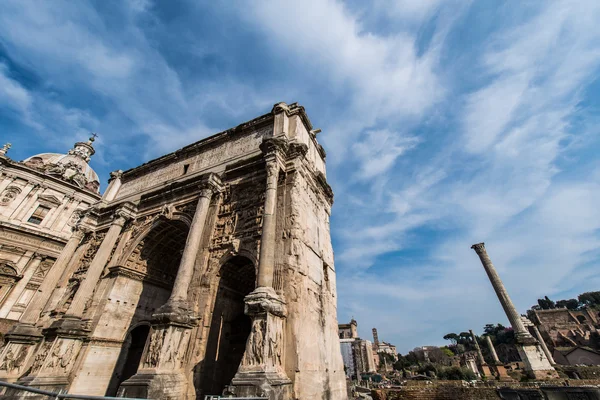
(206, 271)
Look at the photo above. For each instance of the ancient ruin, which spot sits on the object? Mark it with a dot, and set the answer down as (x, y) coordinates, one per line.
(206, 271)
(530, 350)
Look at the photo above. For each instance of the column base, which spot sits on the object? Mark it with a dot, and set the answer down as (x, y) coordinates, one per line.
(501, 374)
(161, 374)
(261, 372)
(485, 370)
(167, 386)
(536, 363)
(273, 385)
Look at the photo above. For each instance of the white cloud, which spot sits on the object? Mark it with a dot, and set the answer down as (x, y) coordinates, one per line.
(379, 149)
(386, 77)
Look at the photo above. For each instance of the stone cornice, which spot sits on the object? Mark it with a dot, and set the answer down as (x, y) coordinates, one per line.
(198, 146)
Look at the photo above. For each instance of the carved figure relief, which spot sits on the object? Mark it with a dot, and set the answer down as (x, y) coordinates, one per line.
(274, 345)
(153, 354)
(93, 241)
(40, 357)
(254, 352)
(240, 213)
(9, 194)
(8, 364)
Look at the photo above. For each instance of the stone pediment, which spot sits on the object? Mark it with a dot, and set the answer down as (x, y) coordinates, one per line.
(48, 198)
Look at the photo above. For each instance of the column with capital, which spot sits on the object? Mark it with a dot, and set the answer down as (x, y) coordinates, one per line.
(537, 364)
(261, 371)
(172, 323)
(35, 307)
(65, 337)
(24, 336)
(94, 272)
(177, 305)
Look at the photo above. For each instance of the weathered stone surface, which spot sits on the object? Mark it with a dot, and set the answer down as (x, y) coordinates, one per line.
(206, 270)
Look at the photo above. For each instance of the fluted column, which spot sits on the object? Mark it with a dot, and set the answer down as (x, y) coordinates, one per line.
(97, 266)
(42, 296)
(492, 350)
(521, 334)
(540, 339)
(179, 294)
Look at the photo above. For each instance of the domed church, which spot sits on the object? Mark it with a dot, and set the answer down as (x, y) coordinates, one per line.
(41, 200)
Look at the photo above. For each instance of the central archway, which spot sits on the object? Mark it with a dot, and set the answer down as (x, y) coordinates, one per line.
(154, 259)
(229, 328)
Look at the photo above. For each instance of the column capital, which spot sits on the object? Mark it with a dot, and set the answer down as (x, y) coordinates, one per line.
(479, 247)
(115, 175)
(210, 185)
(274, 146)
(80, 230)
(124, 213)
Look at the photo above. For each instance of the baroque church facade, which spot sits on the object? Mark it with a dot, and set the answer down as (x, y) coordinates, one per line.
(206, 271)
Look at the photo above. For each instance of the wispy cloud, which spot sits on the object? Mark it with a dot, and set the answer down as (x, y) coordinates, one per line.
(445, 123)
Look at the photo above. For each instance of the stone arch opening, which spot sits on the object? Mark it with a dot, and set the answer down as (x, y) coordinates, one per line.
(148, 273)
(581, 319)
(130, 357)
(229, 327)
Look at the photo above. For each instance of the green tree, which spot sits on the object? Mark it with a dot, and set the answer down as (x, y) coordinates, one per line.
(589, 299)
(571, 304)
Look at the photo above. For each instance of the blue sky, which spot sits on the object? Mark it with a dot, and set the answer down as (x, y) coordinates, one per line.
(446, 123)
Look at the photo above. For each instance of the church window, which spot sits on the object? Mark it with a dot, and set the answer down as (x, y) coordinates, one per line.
(38, 215)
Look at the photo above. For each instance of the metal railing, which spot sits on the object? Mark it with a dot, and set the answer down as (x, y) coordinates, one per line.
(60, 395)
(89, 397)
(214, 397)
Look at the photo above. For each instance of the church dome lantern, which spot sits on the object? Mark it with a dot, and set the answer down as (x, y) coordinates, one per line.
(72, 167)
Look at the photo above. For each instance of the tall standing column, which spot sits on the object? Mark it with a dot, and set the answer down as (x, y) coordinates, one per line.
(179, 294)
(173, 322)
(477, 348)
(97, 265)
(42, 296)
(513, 316)
(536, 362)
(492, 350)
(266, 263)
(539, 337)
(261, 371)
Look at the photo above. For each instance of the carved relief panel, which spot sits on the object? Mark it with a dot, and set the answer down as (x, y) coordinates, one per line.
(92, 243)
(56, 357)
(240, 213)
(14, 358)
(167, 348)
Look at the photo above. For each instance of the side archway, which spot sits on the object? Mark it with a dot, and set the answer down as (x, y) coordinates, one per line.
(229, 326)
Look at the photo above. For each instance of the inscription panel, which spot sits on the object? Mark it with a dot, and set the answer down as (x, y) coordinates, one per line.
(232, 149)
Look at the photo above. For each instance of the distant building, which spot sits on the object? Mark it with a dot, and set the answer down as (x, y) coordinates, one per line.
(357, 354)
(562, 327)
(348, 331)
(576, 356)
(383, 348)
